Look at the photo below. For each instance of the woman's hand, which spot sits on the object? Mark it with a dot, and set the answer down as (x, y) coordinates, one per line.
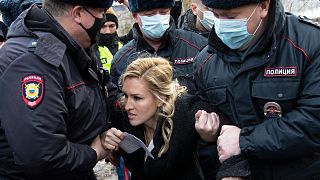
(111, 139)
(207, 125)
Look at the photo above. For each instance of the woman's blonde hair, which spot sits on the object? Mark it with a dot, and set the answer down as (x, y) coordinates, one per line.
(158, 75)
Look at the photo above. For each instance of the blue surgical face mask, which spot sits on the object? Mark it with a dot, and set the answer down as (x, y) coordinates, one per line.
(153, 27)
(207, 20)
(234, 32)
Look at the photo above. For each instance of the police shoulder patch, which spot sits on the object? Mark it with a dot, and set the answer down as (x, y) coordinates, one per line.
(32, 90)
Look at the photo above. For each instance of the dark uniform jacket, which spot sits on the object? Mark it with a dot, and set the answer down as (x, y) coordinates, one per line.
(188, 22)
(180, 48)
(207, 157)
(181, 159)
(52, 106)
(283, 67)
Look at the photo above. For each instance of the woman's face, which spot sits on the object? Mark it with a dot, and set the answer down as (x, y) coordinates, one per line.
(140, 104)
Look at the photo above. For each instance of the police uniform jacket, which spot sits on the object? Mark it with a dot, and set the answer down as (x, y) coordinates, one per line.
(52, 106)
(283, 67)
(180, 48)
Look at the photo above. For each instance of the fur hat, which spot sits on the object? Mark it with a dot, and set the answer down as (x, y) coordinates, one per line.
(90, 3)
(228, 4)
(142, 5)
(12, 8)
(111, 16)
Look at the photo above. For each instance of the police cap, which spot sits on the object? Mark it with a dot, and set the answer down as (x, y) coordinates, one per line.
(228, 4)
(142, 5)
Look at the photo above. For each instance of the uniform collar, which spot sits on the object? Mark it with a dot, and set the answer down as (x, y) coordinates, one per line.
(37, 19)
(189, 24)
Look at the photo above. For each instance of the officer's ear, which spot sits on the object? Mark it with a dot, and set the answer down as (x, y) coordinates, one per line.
(77, 13)
(194, 9)
(264, 9)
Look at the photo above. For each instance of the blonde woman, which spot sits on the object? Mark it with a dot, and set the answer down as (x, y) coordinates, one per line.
(162, 115)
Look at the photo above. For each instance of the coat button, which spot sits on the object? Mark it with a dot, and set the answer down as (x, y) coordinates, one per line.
(280, 95)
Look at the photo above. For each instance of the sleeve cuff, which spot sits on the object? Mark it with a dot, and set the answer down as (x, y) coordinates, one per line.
(245, 140)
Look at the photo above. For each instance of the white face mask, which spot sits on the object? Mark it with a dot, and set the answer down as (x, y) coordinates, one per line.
(234, 32)
(207, 20)
(153, 27)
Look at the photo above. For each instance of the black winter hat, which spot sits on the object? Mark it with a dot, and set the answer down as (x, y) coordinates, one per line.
(228, 4)
(142, 5)
(113, 18)
(90, 3)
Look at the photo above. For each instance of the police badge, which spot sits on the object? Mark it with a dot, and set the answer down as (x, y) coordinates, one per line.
(32, 90)
(272, 109)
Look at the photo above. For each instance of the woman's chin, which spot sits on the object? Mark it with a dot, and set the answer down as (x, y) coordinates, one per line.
(134, 122)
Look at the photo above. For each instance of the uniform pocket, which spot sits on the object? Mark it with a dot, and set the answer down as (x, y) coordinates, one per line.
(275, 90)
(282, 92)
(217, 95)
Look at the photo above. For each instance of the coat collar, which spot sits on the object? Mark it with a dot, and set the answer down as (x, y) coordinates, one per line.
(36, 19)
(189, 23)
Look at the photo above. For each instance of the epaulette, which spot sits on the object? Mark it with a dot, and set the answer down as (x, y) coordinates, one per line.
(32, 45)
(307, 20)
(47, 47)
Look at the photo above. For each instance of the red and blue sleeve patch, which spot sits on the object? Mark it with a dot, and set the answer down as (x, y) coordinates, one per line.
(32, 90)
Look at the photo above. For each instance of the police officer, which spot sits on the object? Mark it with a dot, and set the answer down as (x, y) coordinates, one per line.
(197, 19)
(52, 105)
(108, 43)
(261, 67)
(154, 32)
